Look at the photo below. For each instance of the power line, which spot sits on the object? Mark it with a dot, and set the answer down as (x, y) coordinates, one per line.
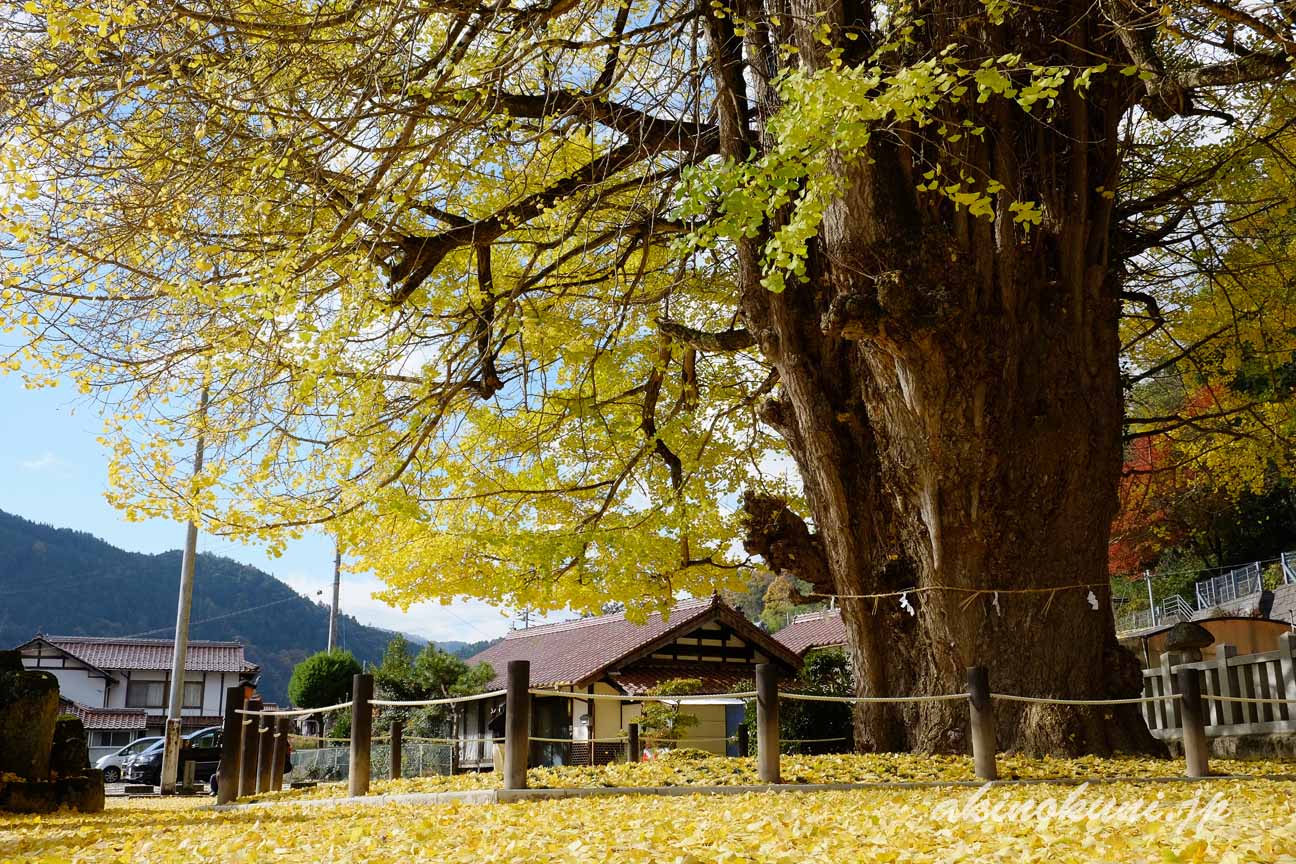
(76, 583)
(466, 622)
(214, 618)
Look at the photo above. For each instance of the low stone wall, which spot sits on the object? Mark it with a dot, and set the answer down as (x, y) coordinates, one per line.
(1269, 746)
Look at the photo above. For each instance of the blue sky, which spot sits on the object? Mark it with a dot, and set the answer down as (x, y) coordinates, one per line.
(53, 470)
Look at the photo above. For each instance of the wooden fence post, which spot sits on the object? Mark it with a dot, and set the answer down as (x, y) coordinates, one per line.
(227, 770)
(361, 735)
(744, 739)
(517, 724)
(396, 731)
(767, 723)
(248, 762)
(981, 710)
(1194, 728)
(1225, 713)
(1287, 666)
(280, 751)
(634, 752)
(265, 753)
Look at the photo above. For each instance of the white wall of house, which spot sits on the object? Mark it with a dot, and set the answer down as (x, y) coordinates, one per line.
(607, 714)
(214, 685)
(78, 686)
(77, 681)
(81, 683)
(710, 726)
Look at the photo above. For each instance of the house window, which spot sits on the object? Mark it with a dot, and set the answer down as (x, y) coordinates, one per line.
(154, 694)
(146, 694)
(118, 738)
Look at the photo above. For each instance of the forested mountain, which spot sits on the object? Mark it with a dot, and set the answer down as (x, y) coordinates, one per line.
(55, 580)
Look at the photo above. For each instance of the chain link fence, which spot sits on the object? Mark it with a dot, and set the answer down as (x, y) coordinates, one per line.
(332, 763)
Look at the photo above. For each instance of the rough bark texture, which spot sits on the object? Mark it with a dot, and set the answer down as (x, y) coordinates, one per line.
(950, 392)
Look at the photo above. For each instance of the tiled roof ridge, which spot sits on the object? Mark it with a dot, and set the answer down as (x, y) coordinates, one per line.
(596, 620)
(123, 640)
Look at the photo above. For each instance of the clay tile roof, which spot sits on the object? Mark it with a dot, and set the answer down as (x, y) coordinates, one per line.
(108, 653)
(576, 652)
(103, 718)
(813, 630)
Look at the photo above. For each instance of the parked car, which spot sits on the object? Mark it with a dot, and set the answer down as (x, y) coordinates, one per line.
(202, 747)
(111, 764)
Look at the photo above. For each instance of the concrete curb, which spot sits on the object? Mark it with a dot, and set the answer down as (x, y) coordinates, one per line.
(505, 796)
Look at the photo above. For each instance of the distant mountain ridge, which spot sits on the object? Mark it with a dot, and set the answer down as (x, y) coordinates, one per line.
(70, 583)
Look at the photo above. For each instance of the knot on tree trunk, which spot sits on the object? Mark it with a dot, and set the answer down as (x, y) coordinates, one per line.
(1167, 97)
(781, 537)
(852, 317)
(774, 412)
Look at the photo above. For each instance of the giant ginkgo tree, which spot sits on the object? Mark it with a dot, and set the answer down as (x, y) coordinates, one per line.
(551, 302)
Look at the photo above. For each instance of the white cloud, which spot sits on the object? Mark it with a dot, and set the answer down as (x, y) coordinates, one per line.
(465, 621)
(43, 462)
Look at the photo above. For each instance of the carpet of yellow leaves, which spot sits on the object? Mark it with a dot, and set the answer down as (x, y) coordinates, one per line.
(885, 825)
(837, 768)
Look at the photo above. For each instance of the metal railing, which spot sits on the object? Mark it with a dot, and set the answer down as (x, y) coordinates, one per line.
(1230, 586)
(1171, 610)
(1237, 584)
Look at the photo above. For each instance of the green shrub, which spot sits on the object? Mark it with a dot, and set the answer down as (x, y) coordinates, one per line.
(323, 679)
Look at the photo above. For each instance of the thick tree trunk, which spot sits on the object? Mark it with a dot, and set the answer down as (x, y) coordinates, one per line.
(951, 394)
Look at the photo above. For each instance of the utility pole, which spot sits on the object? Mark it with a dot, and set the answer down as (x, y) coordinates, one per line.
(1152, 610)
(337, 582)
(171, 748)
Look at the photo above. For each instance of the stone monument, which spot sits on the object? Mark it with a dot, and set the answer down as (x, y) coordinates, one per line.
(44, 761)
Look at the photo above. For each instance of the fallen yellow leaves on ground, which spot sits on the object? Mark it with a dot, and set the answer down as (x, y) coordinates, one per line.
(1219, 821)
(833, 768)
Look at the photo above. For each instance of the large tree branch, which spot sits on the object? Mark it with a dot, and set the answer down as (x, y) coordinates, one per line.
(422, 254)
(657, 133)
(725, 340)
(1168, 93)
(781, 537)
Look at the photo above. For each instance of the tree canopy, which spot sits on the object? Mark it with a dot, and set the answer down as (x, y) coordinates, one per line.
(530, 301)
(432, 264)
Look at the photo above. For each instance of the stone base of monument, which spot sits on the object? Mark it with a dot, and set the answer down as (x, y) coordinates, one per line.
(44, 760)
(85, 794)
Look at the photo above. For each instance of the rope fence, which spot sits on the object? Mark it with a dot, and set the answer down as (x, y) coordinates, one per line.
(300, 712)
(691, 698)
(368, 755)
(1049, 700)
(865, 700)
(424, 703)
